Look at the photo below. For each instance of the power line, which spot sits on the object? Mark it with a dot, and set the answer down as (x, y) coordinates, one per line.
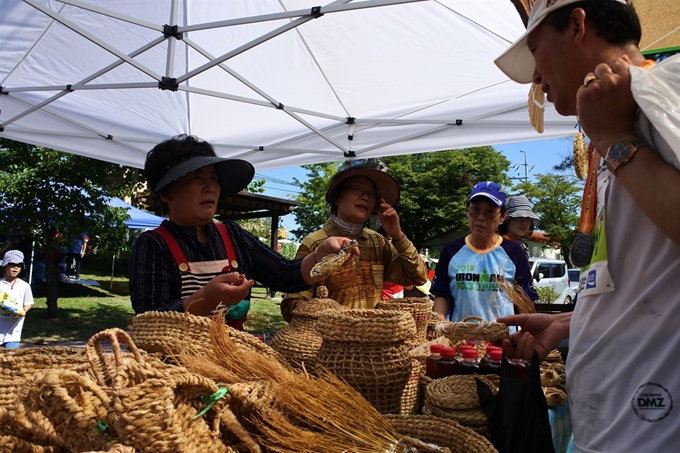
(274, 180)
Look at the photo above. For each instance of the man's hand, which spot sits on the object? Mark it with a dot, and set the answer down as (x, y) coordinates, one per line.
(389, 219)
(605, 106)
(539, 331)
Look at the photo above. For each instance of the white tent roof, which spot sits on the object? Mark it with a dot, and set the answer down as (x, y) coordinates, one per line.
(262, 80)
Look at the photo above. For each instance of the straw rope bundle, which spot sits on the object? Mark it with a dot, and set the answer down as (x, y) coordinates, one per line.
(517, 296)
(299, 342)
(468, 330)
(170, 332)
(420, 309)
(117, 448)
(366, 348)
(442, 432)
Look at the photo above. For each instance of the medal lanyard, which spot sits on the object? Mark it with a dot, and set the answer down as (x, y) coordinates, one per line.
(589, 201)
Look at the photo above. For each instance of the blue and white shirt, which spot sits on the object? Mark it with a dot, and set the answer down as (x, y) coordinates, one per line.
(470, 278)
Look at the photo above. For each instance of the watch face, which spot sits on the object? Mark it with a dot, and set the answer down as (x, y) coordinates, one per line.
(619, 152)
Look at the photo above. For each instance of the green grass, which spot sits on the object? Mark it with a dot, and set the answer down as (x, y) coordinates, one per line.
(86, 310)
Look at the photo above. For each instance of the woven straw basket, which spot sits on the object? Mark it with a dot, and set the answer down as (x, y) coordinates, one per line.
(169, 332)
(473, 328)
(299, 342)
(441, 432)
(455, 398)
(366, 348)
(419, 308)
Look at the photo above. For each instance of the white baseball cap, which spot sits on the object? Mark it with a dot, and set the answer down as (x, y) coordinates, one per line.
(517, 62)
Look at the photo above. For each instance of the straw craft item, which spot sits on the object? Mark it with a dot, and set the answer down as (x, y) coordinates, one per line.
(11, 444)
(468, 330)
(431, 333)
(536, 107)
(459, 391)
(411, 397)
(442, 432)
(366, 348)
(22, 363)
(332, 261)
(298, 342)
(170, 332)
(420, 309)
(580, 156)
(300, 413)
(554, 396)
(517, 296)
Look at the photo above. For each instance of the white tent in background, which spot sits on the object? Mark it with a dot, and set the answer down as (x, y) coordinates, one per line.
(278, 83)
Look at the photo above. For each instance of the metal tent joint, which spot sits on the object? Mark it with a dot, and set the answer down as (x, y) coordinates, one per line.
(3, 91)
(350, 120)
(316, 12)
(459, 122)
(168, 83)
(350, 153)
(260, 148)
(109, 137)
(280, 106)
(69, 88)
(171, 31)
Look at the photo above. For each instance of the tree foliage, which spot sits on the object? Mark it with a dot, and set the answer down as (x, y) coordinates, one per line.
(557, 201)
(58, 196)
(435, 187)
(313, 210)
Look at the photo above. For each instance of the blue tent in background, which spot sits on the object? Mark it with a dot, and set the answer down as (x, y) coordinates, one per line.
(139, 219)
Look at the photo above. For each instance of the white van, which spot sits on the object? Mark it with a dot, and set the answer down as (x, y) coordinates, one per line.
(552, 273)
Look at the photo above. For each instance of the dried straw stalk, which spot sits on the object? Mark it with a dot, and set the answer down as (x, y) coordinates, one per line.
(517, 296)
(300, 413)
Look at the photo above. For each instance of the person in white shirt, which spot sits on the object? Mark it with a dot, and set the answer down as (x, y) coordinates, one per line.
(17, 299)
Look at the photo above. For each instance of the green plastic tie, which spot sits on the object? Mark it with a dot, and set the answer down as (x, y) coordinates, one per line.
(211, 400)
(102, 427)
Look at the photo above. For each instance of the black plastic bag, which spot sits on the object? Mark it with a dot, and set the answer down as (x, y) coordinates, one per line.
(518, 413)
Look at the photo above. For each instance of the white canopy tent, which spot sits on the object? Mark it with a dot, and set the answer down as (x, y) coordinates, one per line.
(278, 83)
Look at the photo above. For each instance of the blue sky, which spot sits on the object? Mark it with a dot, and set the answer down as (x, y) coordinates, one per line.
(540, 155)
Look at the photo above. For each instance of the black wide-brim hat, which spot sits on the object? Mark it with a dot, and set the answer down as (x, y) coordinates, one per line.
(233, 174)
(386, 186)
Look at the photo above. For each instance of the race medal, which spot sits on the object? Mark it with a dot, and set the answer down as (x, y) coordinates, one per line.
(234, 264)
(582, 249)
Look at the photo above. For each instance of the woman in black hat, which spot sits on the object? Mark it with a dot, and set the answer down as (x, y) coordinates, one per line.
(354, 194)
(519, 222)
(193, 264)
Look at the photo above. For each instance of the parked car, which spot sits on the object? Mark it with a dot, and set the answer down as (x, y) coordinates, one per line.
(574, 276)
(552, 273)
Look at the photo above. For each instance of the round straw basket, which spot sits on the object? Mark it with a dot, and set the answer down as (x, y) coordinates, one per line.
(168, 332)
(366, 348)
(299, 342)
(12, 444)
(473, 328)
(419, 308)
(21, 363)
(459, 391)
(441, 432)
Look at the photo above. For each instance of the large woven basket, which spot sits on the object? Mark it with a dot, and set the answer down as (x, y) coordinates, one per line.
(441, 432)
(299, 342)
(419, 308)
(168, 333)
(366, 348)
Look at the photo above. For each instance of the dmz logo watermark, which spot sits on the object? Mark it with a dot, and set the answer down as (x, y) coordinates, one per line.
(652, 402)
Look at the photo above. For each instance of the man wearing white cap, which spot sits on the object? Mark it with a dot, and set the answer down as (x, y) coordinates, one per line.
(623, 376)
(16, 297)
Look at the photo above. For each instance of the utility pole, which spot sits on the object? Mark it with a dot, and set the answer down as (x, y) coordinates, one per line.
(527, 168)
